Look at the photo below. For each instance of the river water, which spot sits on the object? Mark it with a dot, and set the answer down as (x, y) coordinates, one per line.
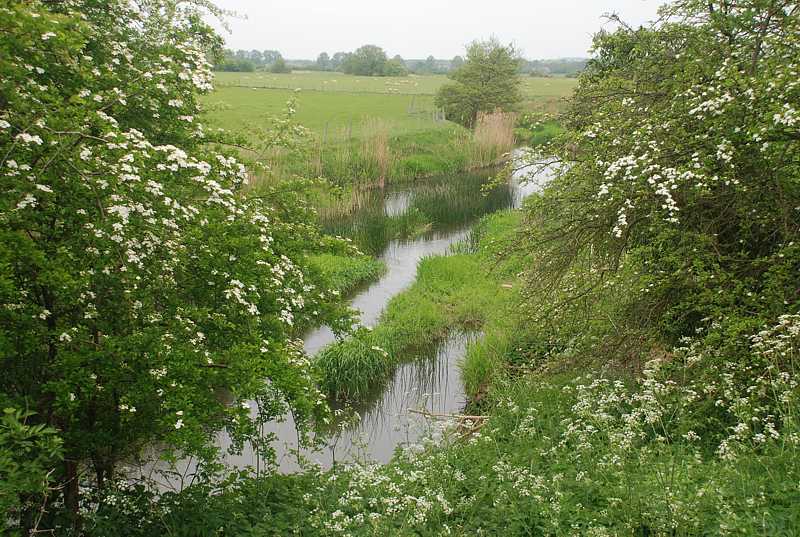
(430, 382)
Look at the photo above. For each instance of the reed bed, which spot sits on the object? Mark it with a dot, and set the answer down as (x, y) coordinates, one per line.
(493, 137)
(376, 148)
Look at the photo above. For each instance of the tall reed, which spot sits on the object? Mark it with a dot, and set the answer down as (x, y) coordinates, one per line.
(493, 137)
(375, 147)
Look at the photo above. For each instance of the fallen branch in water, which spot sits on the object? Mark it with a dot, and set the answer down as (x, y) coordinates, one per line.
(433, 415)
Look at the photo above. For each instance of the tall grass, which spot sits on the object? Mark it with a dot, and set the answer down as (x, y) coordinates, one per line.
(376, 148)
(377, 158)
(493, 137)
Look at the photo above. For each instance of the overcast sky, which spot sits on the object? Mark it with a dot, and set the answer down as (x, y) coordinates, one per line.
(301, 29)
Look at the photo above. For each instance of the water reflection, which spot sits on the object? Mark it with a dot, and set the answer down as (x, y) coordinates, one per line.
(431, 208)
(430, 383)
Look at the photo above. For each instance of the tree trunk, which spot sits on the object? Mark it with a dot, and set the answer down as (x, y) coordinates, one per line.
(72, 492)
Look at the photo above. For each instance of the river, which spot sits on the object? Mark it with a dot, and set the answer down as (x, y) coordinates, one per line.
(429, 383)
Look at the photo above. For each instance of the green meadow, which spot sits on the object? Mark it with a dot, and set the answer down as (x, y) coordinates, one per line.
(342, 104)
(532, 87)
(330, 81)
(338, 113)
(375, 129)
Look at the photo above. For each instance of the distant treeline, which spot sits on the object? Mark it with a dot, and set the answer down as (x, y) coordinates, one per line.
(371, 60)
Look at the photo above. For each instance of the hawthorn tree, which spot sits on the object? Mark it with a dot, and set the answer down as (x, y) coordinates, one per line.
(139, 282)
(683, 168)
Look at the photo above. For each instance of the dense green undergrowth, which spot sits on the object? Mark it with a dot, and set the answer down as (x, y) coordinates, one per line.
(552, 460)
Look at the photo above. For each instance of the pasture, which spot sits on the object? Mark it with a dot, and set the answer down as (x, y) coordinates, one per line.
(345, 102)
(342, 115)
(330, 81)
(532, 87)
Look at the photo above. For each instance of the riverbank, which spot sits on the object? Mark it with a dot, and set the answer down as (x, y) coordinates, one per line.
(466, 291)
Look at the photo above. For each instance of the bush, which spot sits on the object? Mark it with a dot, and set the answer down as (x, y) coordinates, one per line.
(279, 66)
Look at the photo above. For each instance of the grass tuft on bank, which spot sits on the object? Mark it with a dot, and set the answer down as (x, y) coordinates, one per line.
(345, 274)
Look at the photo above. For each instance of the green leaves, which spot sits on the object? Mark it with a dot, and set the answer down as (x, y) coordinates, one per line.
(140, 279)
(28, 452)
(487, 81)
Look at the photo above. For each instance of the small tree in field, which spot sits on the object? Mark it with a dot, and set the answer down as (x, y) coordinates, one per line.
(487, 81)
(279, 66)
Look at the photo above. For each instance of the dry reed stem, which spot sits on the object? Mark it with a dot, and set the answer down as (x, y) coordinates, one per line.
(493, 136)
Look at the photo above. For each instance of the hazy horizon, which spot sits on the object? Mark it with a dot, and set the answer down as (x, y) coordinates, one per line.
(419, 28)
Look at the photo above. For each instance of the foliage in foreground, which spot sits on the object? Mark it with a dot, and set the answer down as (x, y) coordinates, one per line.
(598, 456)
(138, 283)
(705, 442)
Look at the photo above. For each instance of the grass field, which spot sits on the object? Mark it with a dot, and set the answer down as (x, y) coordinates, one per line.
(338, 106)
(532, 87)
(367, 128)
(327, 81)
(341, 114)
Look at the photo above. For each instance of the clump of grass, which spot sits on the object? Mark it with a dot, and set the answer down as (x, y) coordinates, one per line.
(352, 366)
(493, 136)
(346, 273)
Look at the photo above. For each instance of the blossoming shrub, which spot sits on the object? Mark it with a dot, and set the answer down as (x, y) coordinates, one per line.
(141, 289)
(679, 201)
